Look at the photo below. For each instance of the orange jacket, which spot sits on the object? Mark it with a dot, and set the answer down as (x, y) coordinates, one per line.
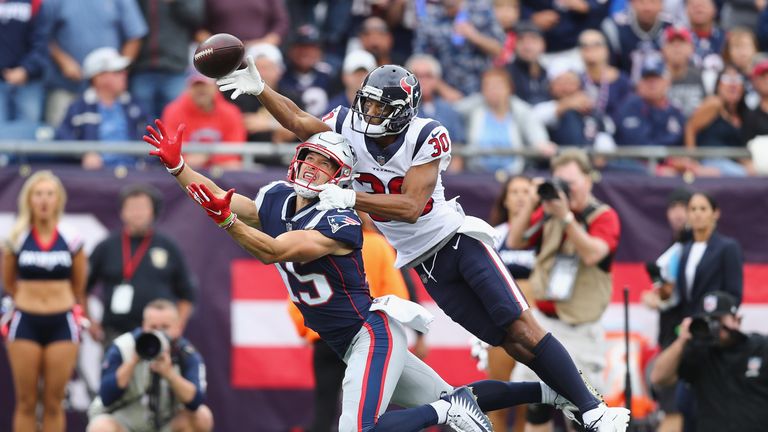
(383, 278)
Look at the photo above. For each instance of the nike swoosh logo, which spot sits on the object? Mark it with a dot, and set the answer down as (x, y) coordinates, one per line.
(217, 212)
(456, 246)
(434, 134)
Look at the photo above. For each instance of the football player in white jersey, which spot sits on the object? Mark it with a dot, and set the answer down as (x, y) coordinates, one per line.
(400, 158)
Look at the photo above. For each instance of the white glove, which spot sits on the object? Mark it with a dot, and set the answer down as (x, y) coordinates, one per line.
(334, 197)
(246, 81)
(479, 351)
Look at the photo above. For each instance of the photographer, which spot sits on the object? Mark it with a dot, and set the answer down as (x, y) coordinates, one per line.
(575, 237)
(727, 369)
(152, 379)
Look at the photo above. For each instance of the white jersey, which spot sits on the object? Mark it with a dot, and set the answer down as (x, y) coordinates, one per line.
(382, 171)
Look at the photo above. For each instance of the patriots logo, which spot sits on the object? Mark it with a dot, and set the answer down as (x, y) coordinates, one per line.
(338, 222)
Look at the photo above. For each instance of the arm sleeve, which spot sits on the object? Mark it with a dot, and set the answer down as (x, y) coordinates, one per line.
(534, 131)
(183, 286)
(35, 60)
(733, 269)
(193, 370)
(340, 225)
(433, 143)
(109, 391)
(132, 23)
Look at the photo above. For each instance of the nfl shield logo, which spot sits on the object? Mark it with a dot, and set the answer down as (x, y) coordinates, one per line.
(710, 303)
(753, 367)
(381, 160)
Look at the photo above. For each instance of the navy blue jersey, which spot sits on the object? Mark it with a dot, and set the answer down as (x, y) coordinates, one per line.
(331, 292)
(38, 261)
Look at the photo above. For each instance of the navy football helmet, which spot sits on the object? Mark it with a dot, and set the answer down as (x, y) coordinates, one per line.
(397, 90)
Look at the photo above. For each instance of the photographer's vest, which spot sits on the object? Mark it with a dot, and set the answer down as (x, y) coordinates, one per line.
(592, 286)
(140, 387)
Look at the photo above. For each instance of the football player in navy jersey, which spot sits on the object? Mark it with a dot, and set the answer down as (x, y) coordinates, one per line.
(398, 182)
(317, 253)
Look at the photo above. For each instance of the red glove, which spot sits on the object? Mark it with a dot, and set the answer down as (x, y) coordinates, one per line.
(168, 148)
(217, 208)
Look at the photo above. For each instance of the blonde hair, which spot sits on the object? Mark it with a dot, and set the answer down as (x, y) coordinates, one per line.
(577, 156)
(24, 217)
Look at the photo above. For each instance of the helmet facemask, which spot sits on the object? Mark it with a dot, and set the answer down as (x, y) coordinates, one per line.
(305, 182)
(395, 115)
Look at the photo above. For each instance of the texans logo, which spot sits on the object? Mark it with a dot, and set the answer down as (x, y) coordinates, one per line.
(407, 83)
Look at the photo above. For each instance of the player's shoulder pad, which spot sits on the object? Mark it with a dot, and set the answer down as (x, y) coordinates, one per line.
(337, 219)
(276, 186)
(335, 118)
(431, 133)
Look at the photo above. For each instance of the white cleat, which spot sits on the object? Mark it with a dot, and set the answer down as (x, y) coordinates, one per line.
(465, 415)
(567, 407)
(614, 419)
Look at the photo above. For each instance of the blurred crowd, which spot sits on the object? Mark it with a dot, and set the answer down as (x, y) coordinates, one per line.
(521, 74)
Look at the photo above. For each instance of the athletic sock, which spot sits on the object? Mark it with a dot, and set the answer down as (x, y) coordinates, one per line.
(493, 395)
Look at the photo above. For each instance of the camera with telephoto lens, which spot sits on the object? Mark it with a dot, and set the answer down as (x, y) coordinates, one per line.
(705, 329)
(550, 189)
(149, 345)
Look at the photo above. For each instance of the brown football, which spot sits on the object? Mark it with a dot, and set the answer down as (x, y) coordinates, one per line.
(219, 55)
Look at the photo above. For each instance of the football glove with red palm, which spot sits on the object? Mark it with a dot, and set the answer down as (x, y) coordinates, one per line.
(217, 209)
(167, 148)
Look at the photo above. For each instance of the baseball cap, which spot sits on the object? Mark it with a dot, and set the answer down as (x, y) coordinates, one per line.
(560, 67)
(677, 32)
(652, 66)
(719, 303)
(357, 60)
(760, 68)
(680, 195)
(524, 27)
(267, 51)
(306, 35)
(105, 59)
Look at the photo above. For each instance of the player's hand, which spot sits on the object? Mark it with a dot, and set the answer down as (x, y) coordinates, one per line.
(167, 148)
(217, 209)
(246, 81)
(334, 197)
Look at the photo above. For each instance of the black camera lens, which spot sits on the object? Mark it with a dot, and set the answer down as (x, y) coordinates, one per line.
(150, 345)
(547, 191)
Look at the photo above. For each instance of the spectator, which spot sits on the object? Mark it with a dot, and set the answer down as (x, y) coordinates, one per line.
(161, 393)
(662, 297)
(383, 279)
(762, 30)
(740, 13)
(209, 119)
(563, 21)
(44, 270)
(307, 75)
(253, 22)
(571, 117)
(259, 123)
(605, 85)
(357, 65)
(648, 118)
(686, 90)
(717, 122)
(463, 36)
(514, 197)
(507, 13)
(158, 74)
(23, 58)
(707, 37)
(756, 120)
(376, 38)
(136, 265)
(740, 51)
(334, 28)
(725, 367)
(116, 24)
(106, 111)
(504, 121)
(430, 75)
(636, 35)
(575, 236)
(528, 74)
(710, 261)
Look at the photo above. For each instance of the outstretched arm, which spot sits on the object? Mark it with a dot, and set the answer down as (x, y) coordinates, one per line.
(293, 246)
(287, 113)
(168, 149)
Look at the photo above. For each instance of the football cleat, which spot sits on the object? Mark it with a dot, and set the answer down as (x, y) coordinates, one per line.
(465, 415)
(614, 419)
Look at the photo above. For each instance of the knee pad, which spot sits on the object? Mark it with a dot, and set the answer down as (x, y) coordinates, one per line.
(538, 414)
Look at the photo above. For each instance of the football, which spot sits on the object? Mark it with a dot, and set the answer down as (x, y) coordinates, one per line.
(219, 55)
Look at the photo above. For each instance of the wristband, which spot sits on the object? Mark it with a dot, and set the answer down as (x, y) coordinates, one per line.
(568, 219)
(229, 221)
(178, 169)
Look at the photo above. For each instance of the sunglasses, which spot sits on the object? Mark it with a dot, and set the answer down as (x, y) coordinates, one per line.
(591, 44)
